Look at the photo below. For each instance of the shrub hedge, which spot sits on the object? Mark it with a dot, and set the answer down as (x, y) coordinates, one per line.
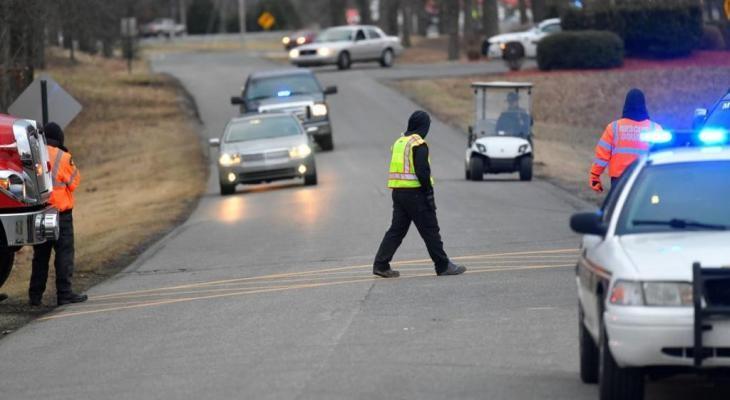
(662, 31)
(712, 38)
(580, 50)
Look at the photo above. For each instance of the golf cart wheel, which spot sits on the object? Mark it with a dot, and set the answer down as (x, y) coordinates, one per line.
(344, 61)
(7, 257)
(589, 355)
(227, 189)
(618, 383)
(526, 169)
(476, 169)
(326, 143)
(386, 60)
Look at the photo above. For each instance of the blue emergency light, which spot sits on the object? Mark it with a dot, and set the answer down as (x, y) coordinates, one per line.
(284, 93)
(713, 136)
(706, 137)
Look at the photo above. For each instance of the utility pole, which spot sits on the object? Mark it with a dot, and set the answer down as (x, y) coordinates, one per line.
(242, 18)
(183, 12)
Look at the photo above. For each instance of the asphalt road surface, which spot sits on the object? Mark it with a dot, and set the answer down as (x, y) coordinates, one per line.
(267, 294)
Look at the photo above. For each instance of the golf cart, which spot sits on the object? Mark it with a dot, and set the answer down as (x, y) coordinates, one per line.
(500, 141)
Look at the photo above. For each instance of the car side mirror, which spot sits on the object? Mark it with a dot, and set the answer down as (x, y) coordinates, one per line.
(699, 117)
(330, 90)
(588, 224)
(237, 101)
(214, 142)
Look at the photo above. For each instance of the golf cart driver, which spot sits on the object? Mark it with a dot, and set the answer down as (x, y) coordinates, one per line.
(500, 141)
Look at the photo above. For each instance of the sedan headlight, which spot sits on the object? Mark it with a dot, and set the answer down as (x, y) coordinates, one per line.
(481, 148)
(286, 40)
(294, 53)
(301, 151)
(319, 110)
(301, 40)
(655, 294)
(324, 52)
(227, 160)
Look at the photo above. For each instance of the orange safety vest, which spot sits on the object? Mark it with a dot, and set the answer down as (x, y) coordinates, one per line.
(620, 145)
(66, 178)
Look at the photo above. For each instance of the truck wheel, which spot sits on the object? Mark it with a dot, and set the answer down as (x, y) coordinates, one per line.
(526, 169)
(227, 189)
(326, 143)
(344, 61)
(589, 356)
(476, 169)
(386, 59)
(7, 257)
(618, 383)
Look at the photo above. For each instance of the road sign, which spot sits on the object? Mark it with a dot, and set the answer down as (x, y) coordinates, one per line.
(62, 108)
(266, 20)
(129, 27)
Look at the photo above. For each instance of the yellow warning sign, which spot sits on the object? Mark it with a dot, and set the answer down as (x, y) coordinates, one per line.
(266, 20)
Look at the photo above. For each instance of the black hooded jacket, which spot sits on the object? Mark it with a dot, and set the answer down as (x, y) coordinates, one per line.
(54, 136)
(420, 123)
(635, 106)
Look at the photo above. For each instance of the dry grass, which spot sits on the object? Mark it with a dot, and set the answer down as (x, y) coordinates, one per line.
(141, 164)
(214, 43)
(428, 51)
(571, 109)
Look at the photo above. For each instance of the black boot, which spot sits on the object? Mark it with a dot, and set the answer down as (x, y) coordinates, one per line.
(386, 273)
(35, 301)
(72, 298)
(452, 269)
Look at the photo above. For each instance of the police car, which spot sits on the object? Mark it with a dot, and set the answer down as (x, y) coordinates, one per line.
(654, 271)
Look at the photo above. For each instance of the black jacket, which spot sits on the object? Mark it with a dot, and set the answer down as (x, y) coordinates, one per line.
(422, 167)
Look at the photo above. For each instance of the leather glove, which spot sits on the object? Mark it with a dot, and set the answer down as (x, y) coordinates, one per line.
(596, 184)
(431, 200)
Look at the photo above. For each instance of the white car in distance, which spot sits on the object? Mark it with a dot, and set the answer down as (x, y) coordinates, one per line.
(493, 46)
(653, 277)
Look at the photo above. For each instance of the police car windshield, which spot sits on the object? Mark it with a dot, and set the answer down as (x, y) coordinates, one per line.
(683, 196)
(262, 128)
(335, 35)
(282, 86)
(720, 116)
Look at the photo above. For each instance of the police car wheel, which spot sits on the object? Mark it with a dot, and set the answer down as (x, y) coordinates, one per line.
(618, 383)
(386, 60)
(589, 355)
(476, 169)
(526, 169)
(7, 257)
(227, 189)
(344, 61)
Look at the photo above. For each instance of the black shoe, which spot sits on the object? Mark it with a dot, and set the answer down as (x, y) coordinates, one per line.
(35, 301)
(72, 298)
(386, 273)
(452, 269)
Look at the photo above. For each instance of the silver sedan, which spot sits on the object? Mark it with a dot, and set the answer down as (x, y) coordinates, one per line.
(344, 45)
(263, 148)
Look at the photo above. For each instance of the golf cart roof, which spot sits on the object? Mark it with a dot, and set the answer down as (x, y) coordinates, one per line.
(502, 85)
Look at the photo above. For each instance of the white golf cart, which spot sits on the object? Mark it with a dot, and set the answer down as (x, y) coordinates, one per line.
(500, 141)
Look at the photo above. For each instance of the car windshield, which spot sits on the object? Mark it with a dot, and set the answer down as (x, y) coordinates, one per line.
(282, 86)
(335, 35)
(686, 196)
(503, 112)
(720, 117)
(262, 128)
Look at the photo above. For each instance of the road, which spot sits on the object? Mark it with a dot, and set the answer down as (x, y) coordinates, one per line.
(267, 294)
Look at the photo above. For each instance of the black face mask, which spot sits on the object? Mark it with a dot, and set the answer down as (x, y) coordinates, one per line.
(420, 123)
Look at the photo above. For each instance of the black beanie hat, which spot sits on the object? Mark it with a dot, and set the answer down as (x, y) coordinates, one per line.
(420, 123)
(54, 134)
(635, 106)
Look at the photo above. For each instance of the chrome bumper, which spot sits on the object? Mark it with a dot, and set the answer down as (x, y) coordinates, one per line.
(31, 227)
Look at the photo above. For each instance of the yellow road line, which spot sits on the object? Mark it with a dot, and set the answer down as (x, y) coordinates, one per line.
(283, 288)
(294, 274)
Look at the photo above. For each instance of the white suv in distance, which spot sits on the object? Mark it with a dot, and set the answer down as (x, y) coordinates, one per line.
(654, 272)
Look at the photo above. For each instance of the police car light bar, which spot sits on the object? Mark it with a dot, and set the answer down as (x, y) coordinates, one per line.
(713, 136)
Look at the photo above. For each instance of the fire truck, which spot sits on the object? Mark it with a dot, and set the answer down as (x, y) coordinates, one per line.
(26, 217)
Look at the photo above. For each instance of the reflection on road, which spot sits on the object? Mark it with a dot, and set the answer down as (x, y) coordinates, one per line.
(232, 209)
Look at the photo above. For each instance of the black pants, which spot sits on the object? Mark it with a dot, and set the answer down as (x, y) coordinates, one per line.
(411, 205)
(64, 262)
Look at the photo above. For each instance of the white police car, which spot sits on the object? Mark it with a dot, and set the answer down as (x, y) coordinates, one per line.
(654, 271)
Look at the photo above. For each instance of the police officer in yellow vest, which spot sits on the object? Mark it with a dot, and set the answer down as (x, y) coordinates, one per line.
(412, 185)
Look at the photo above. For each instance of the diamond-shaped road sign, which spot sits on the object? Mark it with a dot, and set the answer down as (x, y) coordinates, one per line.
(62, 107)
(266, 20)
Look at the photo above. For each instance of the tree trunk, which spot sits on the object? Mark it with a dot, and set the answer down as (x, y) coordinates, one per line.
(363, 7)
(389, 16)
(222, 16)
(424, 19)
(452, 12)
(4, 57)
(468, 20)
(406, 11)
(522, 5)
(490, 18)
(337, 12)
(539, 10)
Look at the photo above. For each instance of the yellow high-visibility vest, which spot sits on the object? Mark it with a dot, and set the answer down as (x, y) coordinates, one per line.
(402, 174)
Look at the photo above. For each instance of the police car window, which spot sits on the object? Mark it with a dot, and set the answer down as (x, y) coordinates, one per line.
(552, 28)
(373, 34)
(720, 116)
(360, 35)
(678, 197)
(262, 128)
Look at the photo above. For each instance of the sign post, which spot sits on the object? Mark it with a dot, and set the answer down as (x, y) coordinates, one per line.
(129, 32)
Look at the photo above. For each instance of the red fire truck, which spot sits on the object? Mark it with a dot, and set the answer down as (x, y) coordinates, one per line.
(26, 218)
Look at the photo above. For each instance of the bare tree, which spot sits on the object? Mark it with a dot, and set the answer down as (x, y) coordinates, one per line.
(407, 12)
(452, 9)
(522, 6)
(490, 18)
(337, 12)
(539, 10)
(389, 16)
(363, 7)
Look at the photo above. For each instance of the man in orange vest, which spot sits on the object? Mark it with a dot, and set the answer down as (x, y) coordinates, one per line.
(621, 143)
(66, 179)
